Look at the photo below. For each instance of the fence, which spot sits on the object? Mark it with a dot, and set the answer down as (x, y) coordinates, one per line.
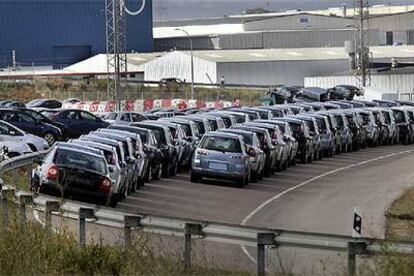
(187, 228)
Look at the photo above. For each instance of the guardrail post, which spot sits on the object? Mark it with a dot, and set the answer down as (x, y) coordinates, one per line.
(51, 206)
(5, 194)
(24, 200)
(189, 230)
(130, 222)
(84, 213)
(263, 239)
(355, 248)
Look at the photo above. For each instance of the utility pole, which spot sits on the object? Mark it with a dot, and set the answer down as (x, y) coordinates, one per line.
(362, 49)
(116, 50)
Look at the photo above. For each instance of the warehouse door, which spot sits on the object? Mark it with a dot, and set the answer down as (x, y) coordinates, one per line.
(67, 55)
(411, 37)
(390, 38)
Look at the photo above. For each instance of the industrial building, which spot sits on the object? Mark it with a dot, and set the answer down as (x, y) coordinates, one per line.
(58, 33)
(329, 28)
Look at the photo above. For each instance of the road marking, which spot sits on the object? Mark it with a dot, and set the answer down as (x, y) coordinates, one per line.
(279, 195)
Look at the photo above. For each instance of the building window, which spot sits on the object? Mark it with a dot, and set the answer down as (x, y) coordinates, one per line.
(132, 76)
(304, 20)
(390, 38)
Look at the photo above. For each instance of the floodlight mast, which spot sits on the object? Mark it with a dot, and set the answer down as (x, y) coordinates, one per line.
(116, 50)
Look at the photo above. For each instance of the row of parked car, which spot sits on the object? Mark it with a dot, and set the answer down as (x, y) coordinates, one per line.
(107, 157)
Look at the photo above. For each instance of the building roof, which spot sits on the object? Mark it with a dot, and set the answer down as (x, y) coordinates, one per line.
(298, 54)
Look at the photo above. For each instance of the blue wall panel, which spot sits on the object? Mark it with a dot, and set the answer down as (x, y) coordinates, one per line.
(44, 31)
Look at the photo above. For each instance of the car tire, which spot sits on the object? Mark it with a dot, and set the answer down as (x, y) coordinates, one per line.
(254, 176)
(148, 176)
(50, 138)
(195, 178)
(113, 201)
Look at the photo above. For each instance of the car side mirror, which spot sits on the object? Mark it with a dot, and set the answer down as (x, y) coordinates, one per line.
(252, 152)
(111, 170)
(274, 142)
(38, 161)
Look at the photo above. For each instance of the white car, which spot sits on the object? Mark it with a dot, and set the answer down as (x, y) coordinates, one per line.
(13, 149)
(10, 133)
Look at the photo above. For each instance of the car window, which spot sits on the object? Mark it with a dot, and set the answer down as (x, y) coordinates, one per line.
(387, 117)
(25, 118)
(7, 130)
(125, 117)
(71, 115)
(159, 135)
(137, 117)
(87, 116)
(399, 116)
(111, 116)
(222, 144)
(80, 160)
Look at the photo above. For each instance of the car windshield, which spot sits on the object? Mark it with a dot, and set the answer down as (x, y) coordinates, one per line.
(80, 160)
(110, 116)
(159, 135)
(387, 117)
(366, 119)
(240, 118)
(213, 124)
(296, 128)
(222, 144)
(310, 125)
(321, 123)
(399, 116)
(339, 120)
(277, 113)
(187, 130)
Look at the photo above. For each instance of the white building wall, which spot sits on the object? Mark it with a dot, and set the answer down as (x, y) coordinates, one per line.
(277, 72)
(178, 65)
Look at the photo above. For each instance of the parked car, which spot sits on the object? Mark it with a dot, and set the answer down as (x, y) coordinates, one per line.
(384, 131)
(392, 126)
(343, 129)
(44, 119)
(79, 122)
(405, 130)
(150, 149)
(223, 156)
(127, 166)
(124, 118)
(202, 123)
(287, 137)
(31, 125)
(114, 160)
(315, 134)
(165, 144)
(272, 153)
(277, 141)
(359, 133)
(69, 170)
(326, 136)
(368, 122)
(228, 119)
(45, 103)
(253, 115)
(10, 133)
(14, 149)
(306, 146)
(257, 160)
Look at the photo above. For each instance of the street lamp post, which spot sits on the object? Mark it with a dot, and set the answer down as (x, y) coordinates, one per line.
(192, 60)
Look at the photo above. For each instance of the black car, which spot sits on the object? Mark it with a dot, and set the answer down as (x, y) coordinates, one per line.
(31, 125)
(39, 116)
(79, 122)
(165, 144)
(44, 103)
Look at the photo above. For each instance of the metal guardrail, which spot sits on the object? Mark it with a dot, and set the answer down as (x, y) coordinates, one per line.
(188, 228)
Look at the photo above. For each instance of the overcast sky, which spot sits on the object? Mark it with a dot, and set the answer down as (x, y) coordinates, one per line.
(182, 9)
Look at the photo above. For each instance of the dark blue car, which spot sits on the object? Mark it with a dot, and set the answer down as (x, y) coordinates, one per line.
(31, 125)
(79, 122)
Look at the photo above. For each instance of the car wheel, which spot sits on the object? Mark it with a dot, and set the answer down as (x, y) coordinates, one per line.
(254, 176)
(50, 139)
(195, 178)
(113, 201)
(165, 171)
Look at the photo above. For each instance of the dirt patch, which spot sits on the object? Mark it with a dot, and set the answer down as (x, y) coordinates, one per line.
(400, 218)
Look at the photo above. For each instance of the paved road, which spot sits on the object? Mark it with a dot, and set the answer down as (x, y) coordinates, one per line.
(317, 197)
(324, 204)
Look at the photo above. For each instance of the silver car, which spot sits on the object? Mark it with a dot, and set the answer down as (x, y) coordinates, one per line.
(124, 118)
(137, 150)
(222, 156)
(10, 133)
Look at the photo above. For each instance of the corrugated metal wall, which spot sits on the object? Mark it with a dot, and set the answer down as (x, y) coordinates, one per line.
(403, 83)
(267, 40)
(281, 72)
(297, 22)
(178, 65)
(34, 27)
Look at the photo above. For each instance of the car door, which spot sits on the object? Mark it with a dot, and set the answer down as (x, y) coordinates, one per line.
(72, 120)
(89, 122)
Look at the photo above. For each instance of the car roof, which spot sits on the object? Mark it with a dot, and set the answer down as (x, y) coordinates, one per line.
(221, 134)
(87, 150)
(98, 145)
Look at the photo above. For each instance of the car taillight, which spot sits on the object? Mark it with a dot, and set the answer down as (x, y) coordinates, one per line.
(202, 152)
(52, 173)
(105, 185)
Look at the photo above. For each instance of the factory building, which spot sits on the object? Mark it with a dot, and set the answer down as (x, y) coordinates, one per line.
(288, 30)
(58, 33)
